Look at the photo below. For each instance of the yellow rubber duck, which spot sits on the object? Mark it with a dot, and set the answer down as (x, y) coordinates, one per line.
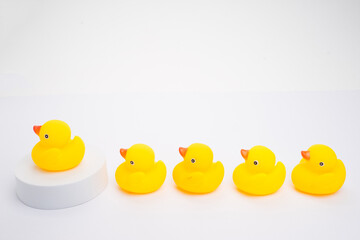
(259, 175)
(319, 171)
(197, 173)
(56, 151)
(139, 173)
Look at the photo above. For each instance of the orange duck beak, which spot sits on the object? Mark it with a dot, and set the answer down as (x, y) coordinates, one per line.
(123, 152)
(244, 153)
(37, 129)
(182, 151)
(306, 154)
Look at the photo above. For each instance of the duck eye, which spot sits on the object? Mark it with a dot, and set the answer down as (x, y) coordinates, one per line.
(321, 164)
(132, 162)
(193, 160)
(255, 162)
(46, 136)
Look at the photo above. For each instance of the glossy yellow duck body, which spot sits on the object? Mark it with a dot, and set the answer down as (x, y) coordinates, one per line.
(259, 175)
(140, 173)
(198, 173)
(319, 171)
(56, 151)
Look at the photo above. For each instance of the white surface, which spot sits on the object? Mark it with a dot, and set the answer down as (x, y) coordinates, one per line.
(110, 46)
(285, 122)
(54, 190)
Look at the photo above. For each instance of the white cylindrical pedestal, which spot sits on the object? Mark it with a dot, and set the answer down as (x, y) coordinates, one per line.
(53, 190)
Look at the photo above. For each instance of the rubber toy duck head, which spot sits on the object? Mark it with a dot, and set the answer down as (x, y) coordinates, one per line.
(138, 157)
(259, 159)
(197, 156)
(319, 158)
(54, 133)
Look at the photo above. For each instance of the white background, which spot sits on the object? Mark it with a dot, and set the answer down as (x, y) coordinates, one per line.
(49, 47)
(231, 74)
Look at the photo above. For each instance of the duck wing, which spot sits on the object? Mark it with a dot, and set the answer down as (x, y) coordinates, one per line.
(137, 178)
(196, 178)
